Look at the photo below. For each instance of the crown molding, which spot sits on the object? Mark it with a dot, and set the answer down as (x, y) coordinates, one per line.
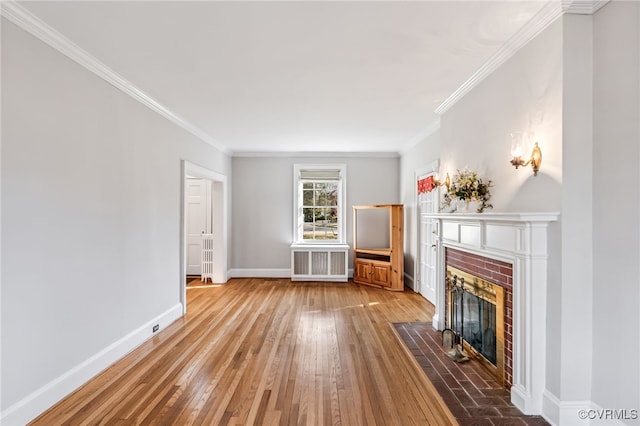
(316, 154)
(582, 7)
(433, 127)
(24, 19)
(541, 20)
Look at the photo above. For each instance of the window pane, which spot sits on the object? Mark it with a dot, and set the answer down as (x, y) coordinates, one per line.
(332, 194)
(332, 223)
(326, 194)
(333, 215)
(324, 226)
(308, 215)
(321, 198)
(308, 227)
(307, 198)
(307, 185)
(321, 215)
(320, 224)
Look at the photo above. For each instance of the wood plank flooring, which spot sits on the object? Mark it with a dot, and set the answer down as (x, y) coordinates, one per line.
(269, 352)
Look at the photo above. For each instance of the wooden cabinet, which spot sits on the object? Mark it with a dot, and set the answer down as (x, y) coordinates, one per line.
(378, 255)
(362, 271)
(371, 271)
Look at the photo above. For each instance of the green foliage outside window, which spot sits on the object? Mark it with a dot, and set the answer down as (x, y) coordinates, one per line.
(320, 210)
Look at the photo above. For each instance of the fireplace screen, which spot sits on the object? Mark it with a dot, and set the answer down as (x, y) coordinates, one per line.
(475, 321)
(475, 312)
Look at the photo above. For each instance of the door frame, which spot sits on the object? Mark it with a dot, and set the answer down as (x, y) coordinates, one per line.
(207, 218)
(220, 213)
(432, 167)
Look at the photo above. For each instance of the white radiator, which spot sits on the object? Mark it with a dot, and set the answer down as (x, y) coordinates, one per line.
(207, 258)
(319, 262)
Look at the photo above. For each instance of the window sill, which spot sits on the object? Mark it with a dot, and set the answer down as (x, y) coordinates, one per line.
(320, 245)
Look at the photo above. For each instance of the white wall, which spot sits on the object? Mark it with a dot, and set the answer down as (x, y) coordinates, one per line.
(414, 159)
(90, 218)
(616, 206)
(262, 228)
(523, 94)
(570, 323)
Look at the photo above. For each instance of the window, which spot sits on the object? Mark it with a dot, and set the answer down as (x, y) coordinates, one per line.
(320, 210)
(319, 199)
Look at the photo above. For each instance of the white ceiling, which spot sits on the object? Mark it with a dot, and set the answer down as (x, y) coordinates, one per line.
(295, 76)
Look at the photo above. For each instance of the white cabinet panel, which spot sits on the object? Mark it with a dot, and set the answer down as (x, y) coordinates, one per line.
(450, 231)
(501, 237)
(470, 235)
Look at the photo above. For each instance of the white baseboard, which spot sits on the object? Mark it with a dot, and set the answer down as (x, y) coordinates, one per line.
(575, 413)
(265, 273)
(409, 279)
(436, 323)
(259, 273)
(599, 416)
(550, 408)
(37, 402)
(519, 398)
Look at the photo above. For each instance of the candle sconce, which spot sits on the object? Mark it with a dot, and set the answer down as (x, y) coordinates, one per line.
(518, 143)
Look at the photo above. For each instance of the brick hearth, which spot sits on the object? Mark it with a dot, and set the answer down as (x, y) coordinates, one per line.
(471, 393)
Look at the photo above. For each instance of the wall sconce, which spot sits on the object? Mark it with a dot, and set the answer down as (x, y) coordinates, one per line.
(447, 181)
(517, 147)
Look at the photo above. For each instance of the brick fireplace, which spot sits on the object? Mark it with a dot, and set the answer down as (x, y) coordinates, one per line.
(500, 274)
(510, 250)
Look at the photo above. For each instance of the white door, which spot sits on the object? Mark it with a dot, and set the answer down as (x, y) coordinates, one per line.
(428, 203)
(198, 221)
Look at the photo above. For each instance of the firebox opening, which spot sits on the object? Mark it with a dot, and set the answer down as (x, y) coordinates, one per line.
(476, 312)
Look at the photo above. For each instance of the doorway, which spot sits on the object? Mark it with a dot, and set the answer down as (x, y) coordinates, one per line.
(199, 219)
(427, 202)
(204, 208)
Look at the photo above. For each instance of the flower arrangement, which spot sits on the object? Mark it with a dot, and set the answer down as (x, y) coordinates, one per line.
(467, 186)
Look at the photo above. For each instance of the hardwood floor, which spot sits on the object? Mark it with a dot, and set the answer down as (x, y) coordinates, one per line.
(269, 351)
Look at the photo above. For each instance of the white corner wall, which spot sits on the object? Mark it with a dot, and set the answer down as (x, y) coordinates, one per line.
(569, 324)
(90, 223)
(262, 188)
(616, 207)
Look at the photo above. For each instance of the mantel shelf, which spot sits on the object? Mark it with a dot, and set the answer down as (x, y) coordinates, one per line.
(498, 217)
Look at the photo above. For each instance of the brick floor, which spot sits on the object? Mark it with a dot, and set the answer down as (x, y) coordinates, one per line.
(472, 394)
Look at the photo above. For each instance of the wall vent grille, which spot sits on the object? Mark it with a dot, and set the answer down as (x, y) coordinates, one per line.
(319, 263)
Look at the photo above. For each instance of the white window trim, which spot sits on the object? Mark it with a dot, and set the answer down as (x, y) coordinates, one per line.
(342, 200)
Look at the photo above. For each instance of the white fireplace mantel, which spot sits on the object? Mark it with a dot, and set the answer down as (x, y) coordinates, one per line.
(519, 239)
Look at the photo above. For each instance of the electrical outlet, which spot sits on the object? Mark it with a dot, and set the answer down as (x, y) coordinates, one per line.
(156, 327)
